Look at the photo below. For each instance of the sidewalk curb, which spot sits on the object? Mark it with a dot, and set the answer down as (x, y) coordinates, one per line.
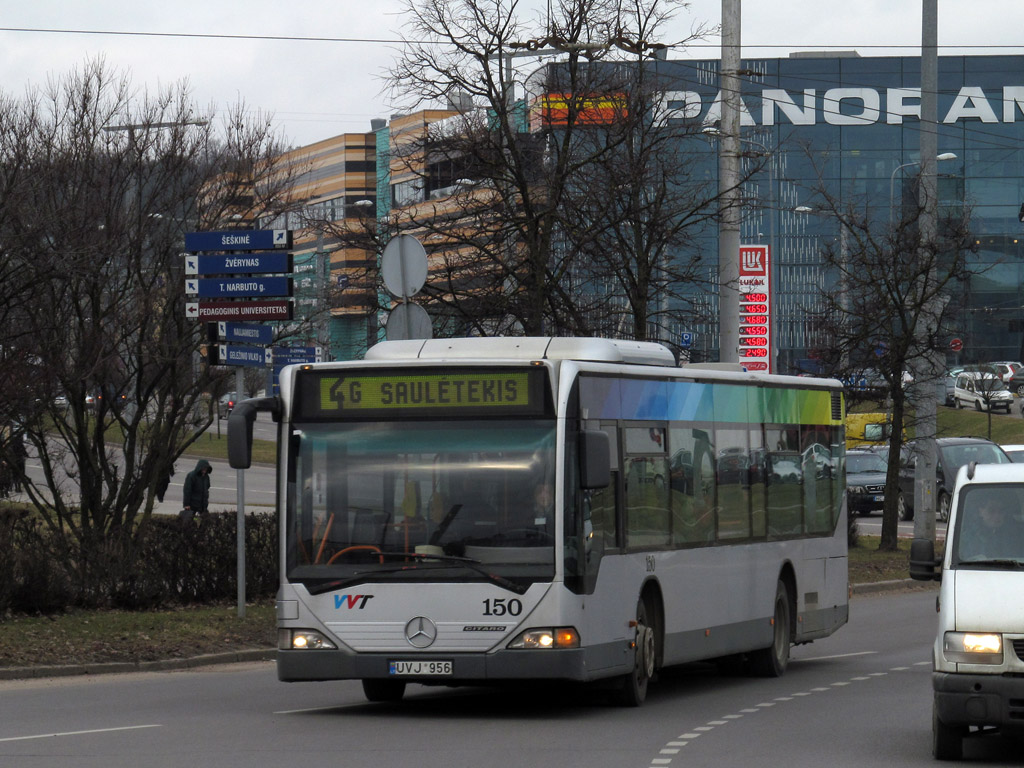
(121, 667)
(876, 587)
(268, 654)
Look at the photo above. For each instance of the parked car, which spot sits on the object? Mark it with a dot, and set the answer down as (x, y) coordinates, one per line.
(951, 375)
(865, 481)
(1016, 383)
(1015, 452)
(953, 453)
(981, 391)
(1005, 369)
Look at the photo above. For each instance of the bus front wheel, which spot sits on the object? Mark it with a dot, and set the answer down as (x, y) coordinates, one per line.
(773, 660)
(383, 690)
(633, 686)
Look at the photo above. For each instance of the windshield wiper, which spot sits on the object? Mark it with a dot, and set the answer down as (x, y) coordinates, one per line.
(469, 562)
(422, 561)
(996, 562)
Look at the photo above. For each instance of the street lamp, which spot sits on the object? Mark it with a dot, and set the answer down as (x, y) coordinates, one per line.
(892, 179)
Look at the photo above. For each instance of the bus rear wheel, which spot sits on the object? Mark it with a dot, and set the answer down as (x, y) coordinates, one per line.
(773, 660)
(633, 686)
(383, 690)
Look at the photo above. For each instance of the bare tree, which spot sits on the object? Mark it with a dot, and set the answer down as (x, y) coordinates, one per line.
(877, 307)
(99, 183)
(511, 156)
(633, 218)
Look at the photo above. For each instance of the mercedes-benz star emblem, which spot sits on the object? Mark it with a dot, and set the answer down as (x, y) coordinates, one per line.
(421, 632)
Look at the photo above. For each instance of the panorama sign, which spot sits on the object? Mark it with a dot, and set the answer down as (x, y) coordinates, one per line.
(848, 106)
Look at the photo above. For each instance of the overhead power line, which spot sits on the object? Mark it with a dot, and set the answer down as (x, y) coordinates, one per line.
(400, 41)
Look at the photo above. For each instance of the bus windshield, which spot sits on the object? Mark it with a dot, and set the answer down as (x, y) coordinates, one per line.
(421, 500)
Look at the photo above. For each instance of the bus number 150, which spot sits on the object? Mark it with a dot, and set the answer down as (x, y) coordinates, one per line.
(501, 606)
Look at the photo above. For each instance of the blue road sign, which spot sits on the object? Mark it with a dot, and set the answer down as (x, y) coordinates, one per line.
(230, 354)
(238, 287)
(249, 333)
(262, 263)
(686, 339)
(290, 355)
(239, 240)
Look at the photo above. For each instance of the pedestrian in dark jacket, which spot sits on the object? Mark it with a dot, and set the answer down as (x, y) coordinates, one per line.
(195, 495)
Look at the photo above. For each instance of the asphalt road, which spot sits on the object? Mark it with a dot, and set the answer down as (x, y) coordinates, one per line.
(860, 698)
(258, 483)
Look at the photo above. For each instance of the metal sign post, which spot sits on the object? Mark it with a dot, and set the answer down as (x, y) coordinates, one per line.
(240, 511)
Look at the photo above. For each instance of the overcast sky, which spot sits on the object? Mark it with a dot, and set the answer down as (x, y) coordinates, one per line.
(317, 89)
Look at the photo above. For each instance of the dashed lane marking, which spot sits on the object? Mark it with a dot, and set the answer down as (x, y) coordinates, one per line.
(675, 746)
(78, 733)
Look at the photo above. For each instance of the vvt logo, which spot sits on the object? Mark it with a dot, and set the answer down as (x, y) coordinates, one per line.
(351, 601)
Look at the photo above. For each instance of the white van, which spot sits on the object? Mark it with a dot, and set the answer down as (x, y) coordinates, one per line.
(982, 392)
(978, 658)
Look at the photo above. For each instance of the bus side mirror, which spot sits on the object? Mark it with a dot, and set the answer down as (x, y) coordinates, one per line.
(595, 459)
(240, 422)
(923, 562)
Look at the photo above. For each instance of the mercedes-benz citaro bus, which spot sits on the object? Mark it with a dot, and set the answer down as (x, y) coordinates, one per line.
(480, 511)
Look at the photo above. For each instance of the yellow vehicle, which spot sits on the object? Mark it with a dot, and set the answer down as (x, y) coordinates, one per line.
(864, 429)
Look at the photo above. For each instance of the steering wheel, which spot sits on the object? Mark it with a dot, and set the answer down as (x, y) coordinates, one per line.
(354, 548)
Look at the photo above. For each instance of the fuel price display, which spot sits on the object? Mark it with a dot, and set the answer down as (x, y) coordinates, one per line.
(755, 336)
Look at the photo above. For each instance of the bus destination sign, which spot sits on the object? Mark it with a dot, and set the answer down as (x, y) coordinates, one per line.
(358, 394)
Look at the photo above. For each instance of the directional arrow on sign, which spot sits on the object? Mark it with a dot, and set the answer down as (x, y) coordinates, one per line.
(192, 310)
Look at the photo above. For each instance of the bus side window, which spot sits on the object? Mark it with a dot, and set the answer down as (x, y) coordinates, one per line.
(692, 486)
(648, 521)
(733, 475)
(785, 479)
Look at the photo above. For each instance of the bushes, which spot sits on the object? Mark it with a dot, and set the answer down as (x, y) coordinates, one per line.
(168, 563)
(30, 579)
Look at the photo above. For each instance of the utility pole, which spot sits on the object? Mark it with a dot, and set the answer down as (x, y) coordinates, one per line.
(926, 380)
(728, 187)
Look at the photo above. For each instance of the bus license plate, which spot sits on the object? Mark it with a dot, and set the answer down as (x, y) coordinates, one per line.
(420, 668)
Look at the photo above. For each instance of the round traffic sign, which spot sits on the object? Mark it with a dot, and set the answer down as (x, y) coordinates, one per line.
(408, 321)
(956, 344)
(403, 265)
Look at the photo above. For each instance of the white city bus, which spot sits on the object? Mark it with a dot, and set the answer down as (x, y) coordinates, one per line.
(476, 511)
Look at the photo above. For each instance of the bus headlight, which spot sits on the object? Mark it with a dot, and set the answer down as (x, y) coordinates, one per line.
(302, 639)
(973, 647)
(547, 637)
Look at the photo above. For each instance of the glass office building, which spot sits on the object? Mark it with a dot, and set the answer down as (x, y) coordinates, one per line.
(855, 121)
